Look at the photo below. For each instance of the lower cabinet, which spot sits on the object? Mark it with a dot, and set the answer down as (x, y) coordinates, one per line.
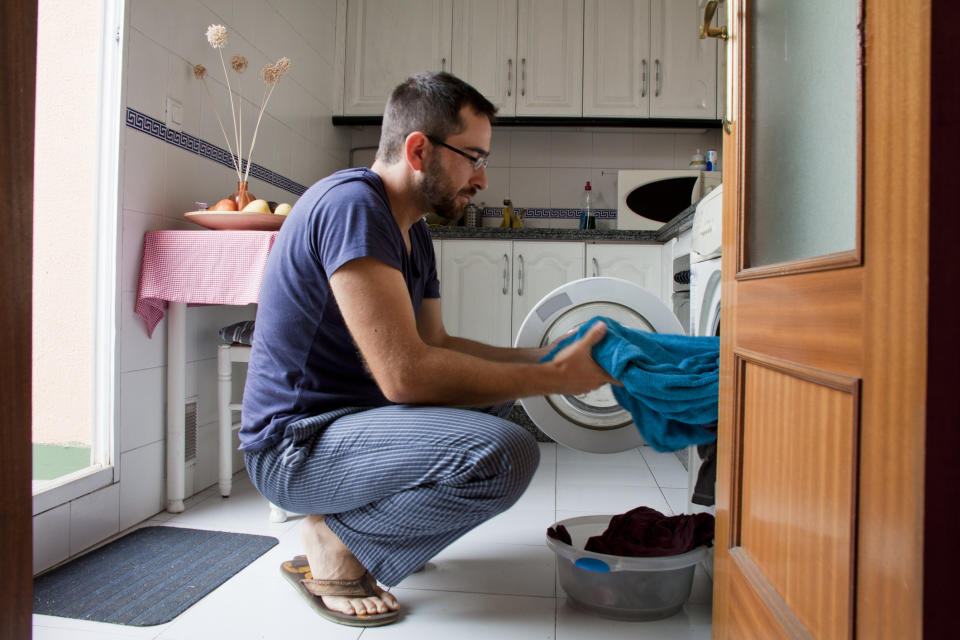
(488, 287)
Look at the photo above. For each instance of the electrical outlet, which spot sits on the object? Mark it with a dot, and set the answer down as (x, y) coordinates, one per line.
(174, 114)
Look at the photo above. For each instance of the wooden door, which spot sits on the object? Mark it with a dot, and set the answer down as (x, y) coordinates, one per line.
(820, 492)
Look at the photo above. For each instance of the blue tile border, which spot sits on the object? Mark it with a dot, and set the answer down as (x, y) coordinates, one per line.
(152, 127)
(568, 214)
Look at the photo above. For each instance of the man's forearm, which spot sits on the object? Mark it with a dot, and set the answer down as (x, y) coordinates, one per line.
(496, 354)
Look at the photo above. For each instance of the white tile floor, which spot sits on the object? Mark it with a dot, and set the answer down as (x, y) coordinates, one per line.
(498, 581)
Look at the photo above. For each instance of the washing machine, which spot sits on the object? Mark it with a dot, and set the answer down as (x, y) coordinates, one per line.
(593, 422)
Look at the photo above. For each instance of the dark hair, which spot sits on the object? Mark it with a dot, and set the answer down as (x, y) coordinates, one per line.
(429, 102)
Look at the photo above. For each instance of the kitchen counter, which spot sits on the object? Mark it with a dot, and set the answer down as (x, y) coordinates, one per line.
(532, 233)
(680, 223)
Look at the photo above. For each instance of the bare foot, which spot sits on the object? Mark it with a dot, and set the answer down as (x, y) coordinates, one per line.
(330, 559)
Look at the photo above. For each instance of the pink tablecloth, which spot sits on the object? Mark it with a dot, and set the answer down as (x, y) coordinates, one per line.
(200, 267)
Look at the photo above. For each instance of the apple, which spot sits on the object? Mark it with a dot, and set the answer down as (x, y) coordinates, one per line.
(227, 204)
(257, 206)
(282, 209)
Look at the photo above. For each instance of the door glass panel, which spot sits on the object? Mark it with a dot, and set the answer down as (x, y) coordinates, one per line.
(802, 128)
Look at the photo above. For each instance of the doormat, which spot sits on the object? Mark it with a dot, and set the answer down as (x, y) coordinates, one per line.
(147, 577)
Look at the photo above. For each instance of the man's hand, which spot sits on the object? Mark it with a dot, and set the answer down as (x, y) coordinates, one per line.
(578, 372)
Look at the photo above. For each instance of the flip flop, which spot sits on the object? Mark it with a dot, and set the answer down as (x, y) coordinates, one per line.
(297, 573)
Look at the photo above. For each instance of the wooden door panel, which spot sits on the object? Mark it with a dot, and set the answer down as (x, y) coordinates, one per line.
(808, 317)
(797, 470)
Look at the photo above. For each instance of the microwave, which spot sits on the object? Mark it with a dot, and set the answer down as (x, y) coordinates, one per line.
(647, 198)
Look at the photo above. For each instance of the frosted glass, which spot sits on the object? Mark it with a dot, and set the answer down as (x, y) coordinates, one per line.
(802, 129)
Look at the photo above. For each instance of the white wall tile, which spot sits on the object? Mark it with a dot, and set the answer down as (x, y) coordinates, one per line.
(141, 484)
(654, 151)
(567, 188)
(498, 188)
(146, 74)
(604, 183)
(530, 148)
(94, 517)
(144, 173)
(51, 537)
(499, 148)
(142, 407)
(613, 150)
(137, 349)
(571, 148)
(154, 19)
(135, 224)
(529, 187)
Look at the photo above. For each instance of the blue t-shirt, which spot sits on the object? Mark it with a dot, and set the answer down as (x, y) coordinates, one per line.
(303, 361)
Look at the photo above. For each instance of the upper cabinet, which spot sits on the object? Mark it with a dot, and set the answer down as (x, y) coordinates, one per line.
(388, 41)
(525, 57)
(642, 58)
(552, 58)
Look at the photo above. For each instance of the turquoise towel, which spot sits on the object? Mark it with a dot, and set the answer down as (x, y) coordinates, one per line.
(670, 382)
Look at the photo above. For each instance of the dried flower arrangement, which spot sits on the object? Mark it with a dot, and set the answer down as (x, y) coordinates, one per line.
(271, 74)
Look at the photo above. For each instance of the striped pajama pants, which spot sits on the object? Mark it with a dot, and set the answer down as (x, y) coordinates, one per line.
(398, 483)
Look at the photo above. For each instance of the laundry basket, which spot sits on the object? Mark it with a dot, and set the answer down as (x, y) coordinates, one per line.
(619, 586)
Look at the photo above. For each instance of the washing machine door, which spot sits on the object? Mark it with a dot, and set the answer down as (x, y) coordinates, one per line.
(591, 422)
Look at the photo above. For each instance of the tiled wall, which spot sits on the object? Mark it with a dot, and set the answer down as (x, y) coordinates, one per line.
(547, 167)
(159, 181)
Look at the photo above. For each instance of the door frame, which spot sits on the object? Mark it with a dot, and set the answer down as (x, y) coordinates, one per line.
(17, 84)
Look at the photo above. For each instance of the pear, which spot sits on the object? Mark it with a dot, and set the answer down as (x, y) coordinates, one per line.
(257, 206)
(282, 209)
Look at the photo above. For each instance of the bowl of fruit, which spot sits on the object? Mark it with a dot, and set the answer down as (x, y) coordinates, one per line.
(258, 215)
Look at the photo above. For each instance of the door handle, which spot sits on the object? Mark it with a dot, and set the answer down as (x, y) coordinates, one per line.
(596, 267)
(523, 76)
(443, 64)
(643, 80)
(659, 84)
(520, 275)
(706, 31)
(506, 273)
(509, 77)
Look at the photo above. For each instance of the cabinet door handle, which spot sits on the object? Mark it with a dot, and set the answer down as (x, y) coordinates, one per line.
(509, 77)
(523, 76)
(506, 273)
(643, 80)
(596, 267)
(659, 83)
(520, 276)
(443, 64)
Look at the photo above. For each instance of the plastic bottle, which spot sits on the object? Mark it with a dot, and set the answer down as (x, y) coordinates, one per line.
(507, 214)
(587, 219)
(697, 162)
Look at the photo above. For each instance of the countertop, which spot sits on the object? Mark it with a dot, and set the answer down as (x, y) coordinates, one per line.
(680, 223)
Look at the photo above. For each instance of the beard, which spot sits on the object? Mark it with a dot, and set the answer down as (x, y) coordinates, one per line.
(437, 193)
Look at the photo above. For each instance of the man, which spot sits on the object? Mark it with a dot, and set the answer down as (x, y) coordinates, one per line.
(349, 410)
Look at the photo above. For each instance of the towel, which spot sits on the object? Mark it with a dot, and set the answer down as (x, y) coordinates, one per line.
(670, 382)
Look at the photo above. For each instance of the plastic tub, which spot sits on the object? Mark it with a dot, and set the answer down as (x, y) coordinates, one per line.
(620, 586)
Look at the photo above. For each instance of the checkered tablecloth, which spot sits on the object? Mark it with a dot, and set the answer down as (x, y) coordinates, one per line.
(200, 267)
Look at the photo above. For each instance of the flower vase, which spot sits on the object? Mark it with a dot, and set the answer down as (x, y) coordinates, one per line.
(242, 197)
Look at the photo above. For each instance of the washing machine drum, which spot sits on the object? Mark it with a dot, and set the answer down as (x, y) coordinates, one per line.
(591, 422)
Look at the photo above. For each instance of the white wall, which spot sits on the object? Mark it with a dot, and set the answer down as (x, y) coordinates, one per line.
(547, 167)
(159, 182)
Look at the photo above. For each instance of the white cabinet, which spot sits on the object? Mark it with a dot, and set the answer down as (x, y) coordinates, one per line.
(643, 58)
(638, 263)
(550, 51)
(488, 286)
(476, 289)
(539, 268)
(485, 49)
(388, 41)
(684, 81)
(525, 56)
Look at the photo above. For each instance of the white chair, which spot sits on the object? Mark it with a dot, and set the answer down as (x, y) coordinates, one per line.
(226, 356)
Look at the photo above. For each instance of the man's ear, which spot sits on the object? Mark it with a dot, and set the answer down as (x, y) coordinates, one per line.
(415, 149)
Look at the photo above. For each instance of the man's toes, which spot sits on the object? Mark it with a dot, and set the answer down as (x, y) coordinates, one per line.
(389, 600)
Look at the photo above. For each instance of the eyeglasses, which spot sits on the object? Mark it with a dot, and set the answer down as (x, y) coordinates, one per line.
(478, 161)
